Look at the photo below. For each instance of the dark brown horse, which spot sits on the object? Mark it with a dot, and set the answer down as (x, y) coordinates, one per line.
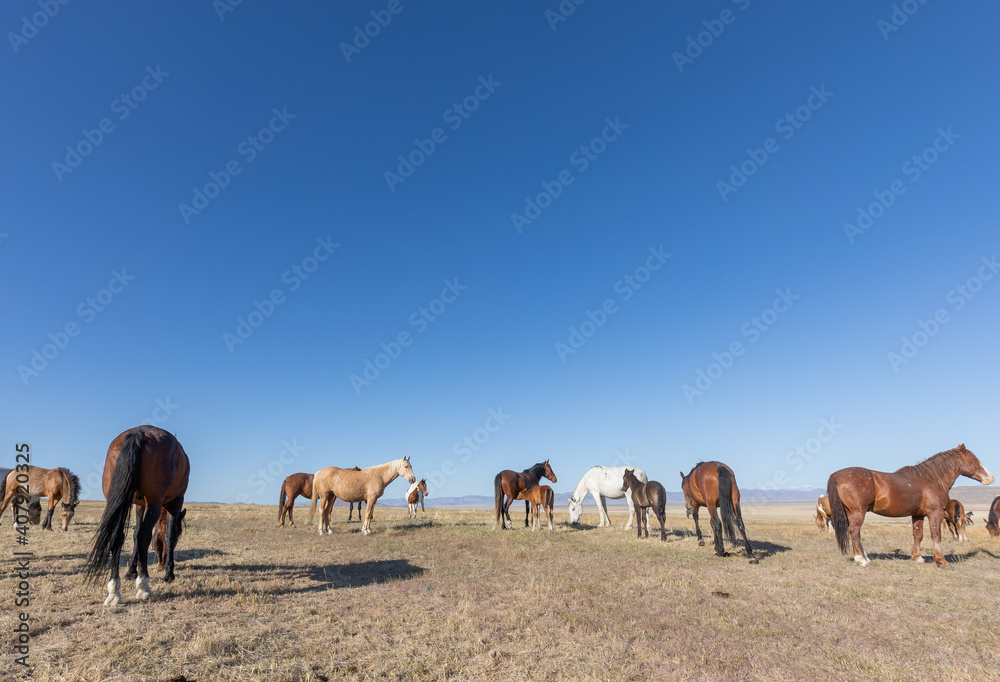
(145, 466)
(293, 486)
(160, 532)
(954, 518)
(508, 484)
(919, 491)
(713, 484)
(993, 520)
(651, 495)
(58, 485)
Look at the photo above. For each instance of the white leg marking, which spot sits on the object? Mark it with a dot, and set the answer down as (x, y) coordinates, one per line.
(114, 593)
(142, 591)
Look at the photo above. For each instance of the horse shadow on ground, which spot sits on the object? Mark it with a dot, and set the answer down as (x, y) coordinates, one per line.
(951, 557)
(764, 549)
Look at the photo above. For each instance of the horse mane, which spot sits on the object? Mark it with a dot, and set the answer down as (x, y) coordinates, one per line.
(694, 467)
(536, 470)
(73, 483)
(936, 468)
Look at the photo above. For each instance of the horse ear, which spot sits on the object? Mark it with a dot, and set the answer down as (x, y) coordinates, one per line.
(961, 446)
(406, 458)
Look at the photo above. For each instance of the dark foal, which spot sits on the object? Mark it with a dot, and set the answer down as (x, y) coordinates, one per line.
(646, 496)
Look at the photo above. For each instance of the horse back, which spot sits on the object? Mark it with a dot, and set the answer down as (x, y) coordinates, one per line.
(164, 468)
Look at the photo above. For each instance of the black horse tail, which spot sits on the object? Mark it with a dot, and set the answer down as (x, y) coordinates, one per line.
(726, 509)
(111, 533)
(838, 514)
(550, 499)
(956, 514)
(994, 513)
(498, 496)
(281, 501)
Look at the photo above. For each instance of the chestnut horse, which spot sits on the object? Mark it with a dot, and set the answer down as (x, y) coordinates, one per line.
(919, 491)
(58, 485)
(355, 486)
(508, 484)
(993, 520)
(954, 518)
(649, 495)
(292, 487)
(160, 531)
(541, 498)
(145, 466)
(414, 496)
(823, 520)
(713, 484)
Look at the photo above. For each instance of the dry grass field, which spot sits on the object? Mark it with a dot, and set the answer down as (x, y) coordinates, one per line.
(450, 597)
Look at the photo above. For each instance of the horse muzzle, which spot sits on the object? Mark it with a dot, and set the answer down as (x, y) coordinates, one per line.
(987, 480)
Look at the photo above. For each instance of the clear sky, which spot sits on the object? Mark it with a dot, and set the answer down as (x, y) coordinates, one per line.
(607, 232)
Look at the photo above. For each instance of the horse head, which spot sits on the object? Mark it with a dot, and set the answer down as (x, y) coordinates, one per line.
(69, 509)
(686, 488)
(548, 473)
(406, 471)
(575, 510)
(628, 479)
(422, 486)
(972, 467)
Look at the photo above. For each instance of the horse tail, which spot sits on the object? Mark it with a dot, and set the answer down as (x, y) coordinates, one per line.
(838, 514)
(281, 501)
(315, 498)
(497, 496)
(955, 513)
(550, 499)
(726, 509)
(991, 521)
(111, 533)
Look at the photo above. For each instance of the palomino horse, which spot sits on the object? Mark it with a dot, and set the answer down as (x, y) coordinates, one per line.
(993, 520)
(646, 495)
(919, 491)
(954, 518)
(160, 531)
(541, 497)
(58, 485)
(414, 496)
(602, 483)
(823, 520)
(713, 484)
(355, 486)
(508, 484)
(145, 466)
(292, 487)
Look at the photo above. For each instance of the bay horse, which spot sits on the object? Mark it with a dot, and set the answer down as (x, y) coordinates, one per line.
(713, 484)
(292, 487)
(355, 486)
(602, 483)
(508, 484)
(955, 518)
(993, 519)
(147, 467)
(160, 532)
(823, 520)
(650, 495)
(58, 485)
(414, 496)
(541, 498)
(919, 491)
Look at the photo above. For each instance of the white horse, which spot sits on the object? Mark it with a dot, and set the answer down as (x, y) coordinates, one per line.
(603, 482)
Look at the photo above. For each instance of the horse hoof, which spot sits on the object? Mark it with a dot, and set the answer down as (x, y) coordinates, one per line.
(113, 600)
(918, 559)
(701, 543)
(861, 561)
(754, 560)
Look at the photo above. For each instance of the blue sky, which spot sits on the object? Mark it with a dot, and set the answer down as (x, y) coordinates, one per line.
(256, 152)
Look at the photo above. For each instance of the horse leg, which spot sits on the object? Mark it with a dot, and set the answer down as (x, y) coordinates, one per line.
(170, 539)
(854, 528)
(143, 535)
(366, 527)
(661, 516)
(602, 507)
(918, 535)
(743, 532)
(291, 508)
(631, 512)
(716, 523)
(505, 512)
(421, 508)
(697, 528)
(47, 523)
(527, 508)
(935, 520)
(133, 561)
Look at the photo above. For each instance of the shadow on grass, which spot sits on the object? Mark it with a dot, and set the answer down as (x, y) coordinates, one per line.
(950, 557)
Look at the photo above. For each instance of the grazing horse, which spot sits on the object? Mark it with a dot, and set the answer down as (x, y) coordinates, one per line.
(993, 520)
(646, 495)
(292, 487)
(145, 466)
(954, 518)
(354, 486)
(713, 484)
(414, 496)
(58, 485)
(823, 520)
(160, 532)
(541, 497)
(508, 484)
(968, 519)
(919, 491)
(602, 483)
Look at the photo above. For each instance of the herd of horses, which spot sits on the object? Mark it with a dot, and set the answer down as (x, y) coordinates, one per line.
(146, 471)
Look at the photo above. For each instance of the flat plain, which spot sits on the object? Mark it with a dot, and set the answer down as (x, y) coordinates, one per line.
(452, 597)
